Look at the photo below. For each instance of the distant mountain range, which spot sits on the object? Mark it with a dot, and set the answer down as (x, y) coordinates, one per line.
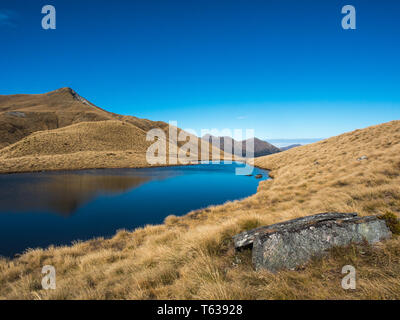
(261, 147)
(290, 146)
(284, 143)
(228, 144)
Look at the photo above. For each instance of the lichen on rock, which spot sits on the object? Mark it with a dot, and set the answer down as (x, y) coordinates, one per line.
(290, 244)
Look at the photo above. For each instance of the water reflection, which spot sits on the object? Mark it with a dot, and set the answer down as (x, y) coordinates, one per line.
(39, 209)
(61, 193)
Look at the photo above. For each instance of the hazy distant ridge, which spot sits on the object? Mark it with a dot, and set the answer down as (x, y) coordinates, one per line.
(228, 144)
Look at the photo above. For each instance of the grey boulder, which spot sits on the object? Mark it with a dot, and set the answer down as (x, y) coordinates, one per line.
(293, 243)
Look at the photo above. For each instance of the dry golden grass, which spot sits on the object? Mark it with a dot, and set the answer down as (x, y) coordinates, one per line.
(74, 161)
(85, 136)
(23, 114)
(192, 257)
(85, 145)
(60, 130)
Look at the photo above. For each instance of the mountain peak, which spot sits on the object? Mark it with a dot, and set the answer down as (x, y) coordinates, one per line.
(261, 148)
(73, 93)
(63, 90)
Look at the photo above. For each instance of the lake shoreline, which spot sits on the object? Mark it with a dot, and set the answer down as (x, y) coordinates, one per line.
(76, 189)
(124, 167)
(91, 161)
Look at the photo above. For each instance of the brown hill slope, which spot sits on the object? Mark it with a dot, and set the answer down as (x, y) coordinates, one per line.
(62, 130)
(261, 148)
(356, 171)
(86, 145)
(111, 135)
(192, 257)
(23, 114)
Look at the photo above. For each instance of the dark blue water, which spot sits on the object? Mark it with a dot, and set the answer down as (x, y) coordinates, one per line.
(41, 209)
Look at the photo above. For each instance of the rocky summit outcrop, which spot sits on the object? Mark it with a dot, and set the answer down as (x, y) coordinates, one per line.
(293, 243)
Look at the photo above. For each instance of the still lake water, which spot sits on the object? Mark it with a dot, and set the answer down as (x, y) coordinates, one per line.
(40, 209)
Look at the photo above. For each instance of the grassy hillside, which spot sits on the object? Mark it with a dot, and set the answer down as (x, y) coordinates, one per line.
(85, 136)
(23, 114)
(193, 256)
(60, 130)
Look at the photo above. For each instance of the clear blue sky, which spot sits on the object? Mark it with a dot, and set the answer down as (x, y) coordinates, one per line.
(284, 68)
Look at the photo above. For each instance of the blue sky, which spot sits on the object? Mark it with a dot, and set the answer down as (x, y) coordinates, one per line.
(284, 68)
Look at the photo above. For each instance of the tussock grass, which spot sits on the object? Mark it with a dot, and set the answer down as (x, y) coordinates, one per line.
(192, 257)
(87, 145)
(392, 221)
(60, 130)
